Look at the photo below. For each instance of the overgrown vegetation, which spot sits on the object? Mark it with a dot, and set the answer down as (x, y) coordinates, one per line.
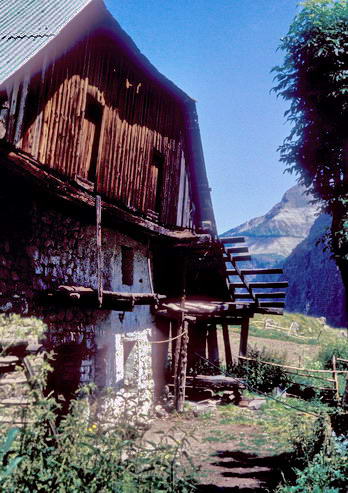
(88, 452)
(259, 376)
(321, 460)
(314, 79)
(92, 458)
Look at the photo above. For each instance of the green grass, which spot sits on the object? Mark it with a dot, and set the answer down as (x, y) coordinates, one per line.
(312, 328)
(266, 430)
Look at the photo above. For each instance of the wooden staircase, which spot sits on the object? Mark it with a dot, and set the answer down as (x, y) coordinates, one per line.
(244, 290)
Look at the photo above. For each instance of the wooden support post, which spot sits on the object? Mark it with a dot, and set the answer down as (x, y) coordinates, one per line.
(335, 377)
(228, 352)
(197, 343)
(160, 355)
(180, 359)
(180, 383)
(244, 333)
(213, 349)
(99, 251)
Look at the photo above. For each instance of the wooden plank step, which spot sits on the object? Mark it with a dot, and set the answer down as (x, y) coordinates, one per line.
(242, 296)
(253, 272)
(279, 294)
(232, 239)
(236, 285)
(241, 258)
(280, 284)
(232, 250)
(272, 304)
(269, 285)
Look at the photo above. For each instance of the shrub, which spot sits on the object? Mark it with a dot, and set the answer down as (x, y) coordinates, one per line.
(260, 376)
(324, 473)
(319, 458)
(337, 348)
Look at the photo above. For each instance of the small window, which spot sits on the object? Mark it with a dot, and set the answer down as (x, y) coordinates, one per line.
(91, 136)
(127, 265)
(157, 173)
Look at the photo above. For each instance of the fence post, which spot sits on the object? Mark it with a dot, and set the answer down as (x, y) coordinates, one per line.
(334, 373)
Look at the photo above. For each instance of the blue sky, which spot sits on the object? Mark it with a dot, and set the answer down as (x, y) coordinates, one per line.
(221, 52)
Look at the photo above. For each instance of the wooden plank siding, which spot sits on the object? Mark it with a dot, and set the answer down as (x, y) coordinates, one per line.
(92, 105)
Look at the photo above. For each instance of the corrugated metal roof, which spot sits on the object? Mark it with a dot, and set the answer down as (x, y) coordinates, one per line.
(26, 26)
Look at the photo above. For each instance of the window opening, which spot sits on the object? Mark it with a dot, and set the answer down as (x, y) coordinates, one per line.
(129, 363)
(158, 175)
(92, 130)
(127, 254)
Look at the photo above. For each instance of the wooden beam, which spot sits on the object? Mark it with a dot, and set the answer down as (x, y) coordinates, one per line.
(213, 348)
(232, 239)
(241, 258)
(253, 272)
(44, 180)
(228, 352)
(272, 304)
(243, 296)
(78, 292)
(279, 294)
(233, 250)
(244, 334)
(280, 284)
(246, 296)
(236, 285)
(99, 250)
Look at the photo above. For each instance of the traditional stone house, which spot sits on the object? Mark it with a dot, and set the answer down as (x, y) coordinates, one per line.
(102, 183)
(105, 203)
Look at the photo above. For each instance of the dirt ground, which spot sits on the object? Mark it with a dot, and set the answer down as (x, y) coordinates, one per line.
(231, 457)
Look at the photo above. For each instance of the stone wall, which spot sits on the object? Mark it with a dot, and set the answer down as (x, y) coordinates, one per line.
(44, 245)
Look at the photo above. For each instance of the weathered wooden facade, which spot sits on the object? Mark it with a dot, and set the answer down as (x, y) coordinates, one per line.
(92, 109)
(104, 200)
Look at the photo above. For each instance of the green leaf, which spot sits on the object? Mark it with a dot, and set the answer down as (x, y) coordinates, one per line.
(10, 438)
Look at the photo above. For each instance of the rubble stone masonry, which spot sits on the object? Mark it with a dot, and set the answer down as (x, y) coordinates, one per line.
(44, 245)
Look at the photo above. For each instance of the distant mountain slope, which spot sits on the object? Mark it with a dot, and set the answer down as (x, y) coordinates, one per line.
(272, 237)
(286, 237)
(315, 284)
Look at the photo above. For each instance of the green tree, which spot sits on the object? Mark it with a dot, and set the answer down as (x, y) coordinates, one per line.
(314, 78)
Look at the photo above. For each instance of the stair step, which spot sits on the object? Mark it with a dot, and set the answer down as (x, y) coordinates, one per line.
(241, 258)
(272, 304)
(270, 295)
(232, 239)
(232, 250)
(280, 284)
(253, 272)
(243, 296)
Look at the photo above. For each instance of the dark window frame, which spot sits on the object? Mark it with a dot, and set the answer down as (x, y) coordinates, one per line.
(127, 265)
(94, 113)
(158, 160)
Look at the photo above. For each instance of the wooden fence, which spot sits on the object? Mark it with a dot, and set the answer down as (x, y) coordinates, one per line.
(306, 372)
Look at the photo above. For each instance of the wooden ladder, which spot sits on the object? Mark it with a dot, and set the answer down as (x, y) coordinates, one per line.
(246, 291)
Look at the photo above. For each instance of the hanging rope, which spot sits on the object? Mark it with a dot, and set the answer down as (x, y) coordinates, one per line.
(170, 339)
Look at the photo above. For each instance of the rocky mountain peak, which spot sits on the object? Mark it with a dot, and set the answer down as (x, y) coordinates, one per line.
(280, 230)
